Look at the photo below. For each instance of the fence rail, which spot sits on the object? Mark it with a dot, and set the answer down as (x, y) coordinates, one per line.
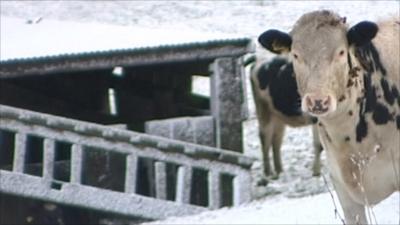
(85, 139)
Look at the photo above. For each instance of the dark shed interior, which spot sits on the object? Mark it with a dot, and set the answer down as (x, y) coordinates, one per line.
(135, 95)
(123, 88)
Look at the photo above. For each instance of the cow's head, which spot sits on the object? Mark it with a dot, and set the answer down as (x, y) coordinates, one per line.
(319, 45)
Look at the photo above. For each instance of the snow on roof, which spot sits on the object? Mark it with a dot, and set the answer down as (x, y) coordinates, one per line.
(22, 39)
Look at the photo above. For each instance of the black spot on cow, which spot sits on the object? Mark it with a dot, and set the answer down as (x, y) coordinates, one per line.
(350, 113)
(362, 126)
(269, 71)
(278, 76)
(381, 114)
(395, 91)
(396, 94)
(359, 100)
(353, 71)
(350, 83)
(361, 129)
(342, 98)
(369, 58)
(390, 94)
(370, 93)
(398, 122)
(347, 139)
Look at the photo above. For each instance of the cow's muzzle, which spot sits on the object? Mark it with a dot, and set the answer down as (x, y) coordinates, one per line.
(318, 105)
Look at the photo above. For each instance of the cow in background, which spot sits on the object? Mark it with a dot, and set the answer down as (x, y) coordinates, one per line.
(277, 105)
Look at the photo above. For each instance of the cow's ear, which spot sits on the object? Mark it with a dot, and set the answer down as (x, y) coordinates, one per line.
(276, 41)
(362, 33)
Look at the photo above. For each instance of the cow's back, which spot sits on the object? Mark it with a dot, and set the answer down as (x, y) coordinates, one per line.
(388, 45)
(274, 85)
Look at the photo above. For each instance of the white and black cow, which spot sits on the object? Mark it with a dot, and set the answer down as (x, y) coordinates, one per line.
(277, 104)
(349, 78)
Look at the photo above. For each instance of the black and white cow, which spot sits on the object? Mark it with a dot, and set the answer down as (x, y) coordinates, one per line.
(277, 104)
(349, 78)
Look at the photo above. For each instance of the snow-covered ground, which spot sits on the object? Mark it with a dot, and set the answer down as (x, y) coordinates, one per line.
(318, 209)
(296, 197)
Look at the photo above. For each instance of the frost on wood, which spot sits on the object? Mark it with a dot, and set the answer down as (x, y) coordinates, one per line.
(117, 193)
(199, 130)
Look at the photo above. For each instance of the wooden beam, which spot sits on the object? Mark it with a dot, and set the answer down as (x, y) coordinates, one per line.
(129, 57)
(228, 104)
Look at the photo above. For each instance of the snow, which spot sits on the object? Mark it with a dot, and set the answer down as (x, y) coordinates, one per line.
(318, 209)
(20, 39)
(296, 197)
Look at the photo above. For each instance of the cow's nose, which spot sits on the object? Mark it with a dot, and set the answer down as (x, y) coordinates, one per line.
(317, 104)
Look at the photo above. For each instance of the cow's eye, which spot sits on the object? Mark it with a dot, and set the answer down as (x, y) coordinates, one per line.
(341, 53)
(295, 56)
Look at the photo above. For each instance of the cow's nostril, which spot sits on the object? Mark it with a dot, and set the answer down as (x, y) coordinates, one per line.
(327, 101)
(309, 102)
(318, 104)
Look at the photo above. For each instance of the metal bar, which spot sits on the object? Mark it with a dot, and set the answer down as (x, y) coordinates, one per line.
(76, 163)
(183, 184)
(161, 180)
(48, 159)
(131, 173)
(19, 153)
(214, 190)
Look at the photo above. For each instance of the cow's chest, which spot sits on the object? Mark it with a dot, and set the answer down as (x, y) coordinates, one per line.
(367, 169)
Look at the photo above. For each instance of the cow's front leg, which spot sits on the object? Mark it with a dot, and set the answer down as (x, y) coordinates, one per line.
(317, 152)
(266, 139)
(279, 131)
(354, 213)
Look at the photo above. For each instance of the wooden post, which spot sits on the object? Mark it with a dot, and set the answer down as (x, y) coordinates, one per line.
(131, 173)
(228, 102)
(184, 184)
(214, 190)
(19, 153)
(161, 180)
(76, 164)
(48, 159)
(241, 189)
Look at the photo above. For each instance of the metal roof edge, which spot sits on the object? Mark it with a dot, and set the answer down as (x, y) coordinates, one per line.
(232, 41)
(127, 57)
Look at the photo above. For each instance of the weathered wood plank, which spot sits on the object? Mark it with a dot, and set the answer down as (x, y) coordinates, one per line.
(228, 102)
(131, 173)
(184, 184)
(20, 152)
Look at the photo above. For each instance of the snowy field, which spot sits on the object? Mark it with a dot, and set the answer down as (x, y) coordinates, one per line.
(296, 197)
(318, 209)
